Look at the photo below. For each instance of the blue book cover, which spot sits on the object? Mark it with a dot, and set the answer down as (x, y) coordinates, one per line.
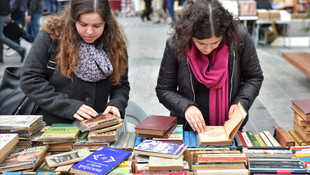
(160, 149)
(101, 161)
(186, 139)
(193, 139)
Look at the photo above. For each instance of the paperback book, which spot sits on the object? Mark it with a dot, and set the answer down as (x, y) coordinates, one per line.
(65, 158)
(101, 161)
(160, 149)
(8, 143)
(63, 132)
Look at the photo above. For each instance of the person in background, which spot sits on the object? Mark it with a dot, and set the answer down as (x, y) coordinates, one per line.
(4, 18)
(53, 7)
(159, 12)
(170, 6)
(33, 19)
(90, 76)
(147, 11)
(209, 65)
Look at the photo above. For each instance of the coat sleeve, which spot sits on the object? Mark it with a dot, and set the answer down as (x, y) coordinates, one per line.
(35, 84)
(119, 94)
(251, 72)
(167, 83)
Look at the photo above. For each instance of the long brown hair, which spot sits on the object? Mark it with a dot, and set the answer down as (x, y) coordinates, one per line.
(63, 28)
(204, 19)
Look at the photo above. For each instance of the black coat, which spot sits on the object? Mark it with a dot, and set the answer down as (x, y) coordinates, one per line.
(5, 7)
(175, 88)
(60, 97)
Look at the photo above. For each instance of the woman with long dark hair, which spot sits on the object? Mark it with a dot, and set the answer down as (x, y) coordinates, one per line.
(209, 65)
(90, 54)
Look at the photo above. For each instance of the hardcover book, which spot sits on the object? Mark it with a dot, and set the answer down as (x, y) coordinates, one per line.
(99, 122)
(8, 143)
(253, 138)
(296, 137)
(302, 108)
(160, 149)
(176, 136)
(64, 132)
(164, 164)
(23, 159)
(223, 135)
(65, 158)
(109, 136)
(283, 138)
(156, 125)
(101, 161)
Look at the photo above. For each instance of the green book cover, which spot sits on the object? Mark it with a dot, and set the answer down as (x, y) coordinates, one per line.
(253, 138)
(61, 131)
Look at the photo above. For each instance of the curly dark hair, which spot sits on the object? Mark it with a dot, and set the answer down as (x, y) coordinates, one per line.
(204, 19)
(63, 28)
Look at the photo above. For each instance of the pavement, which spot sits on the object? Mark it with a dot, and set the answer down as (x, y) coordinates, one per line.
(283, 82)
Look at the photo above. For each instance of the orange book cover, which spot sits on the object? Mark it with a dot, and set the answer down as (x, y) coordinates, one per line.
(283, 138)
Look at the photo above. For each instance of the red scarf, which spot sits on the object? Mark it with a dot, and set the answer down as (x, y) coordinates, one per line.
(212, 71)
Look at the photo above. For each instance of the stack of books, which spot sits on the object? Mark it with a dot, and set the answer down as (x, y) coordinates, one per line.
(176, 136)
(8, 143)
(301, 108)
(102, 128)
(156, 126)
(303, 154)
(24, 125)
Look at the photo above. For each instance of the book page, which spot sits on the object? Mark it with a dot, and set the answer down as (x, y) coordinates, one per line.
(213, 133)
(236, 119)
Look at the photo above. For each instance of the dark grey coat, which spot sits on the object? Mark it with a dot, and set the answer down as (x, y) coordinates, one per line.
(175, 88)
(59, 98)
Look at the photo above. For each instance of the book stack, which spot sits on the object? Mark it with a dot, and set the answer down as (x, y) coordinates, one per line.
(102, 128)
(125, 141)
(156, 126)
(59, 137)
(301, 108)
(273, 161)
(24, 159)
(176, 136)
(219, 162)
(303, 154)
(24, 125)
(83, 142)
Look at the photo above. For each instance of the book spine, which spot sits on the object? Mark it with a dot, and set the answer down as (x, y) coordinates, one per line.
(193, 139)
(247, 140)
(239, 133)
(138, 140)
(265, 139)
(283, 137)
(271, 138)
(220, 159)
(298, 155)
(296, 137)
(186, 139)
(238, 142)
(253, 138)
(265, 166)
(260, 141)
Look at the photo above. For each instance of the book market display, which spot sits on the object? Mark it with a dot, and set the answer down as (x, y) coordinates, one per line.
(98, 147)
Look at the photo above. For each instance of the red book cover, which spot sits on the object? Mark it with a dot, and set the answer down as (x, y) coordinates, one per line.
(241, 138)
(156, 125)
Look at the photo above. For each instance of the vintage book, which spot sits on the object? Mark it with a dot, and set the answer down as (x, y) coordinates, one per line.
(109, 136)
(101, 161)
(164, 164)
(65, 146)
(239, 133)
(282, 137)
(156, 125)
(223, 135)
(166, 135)
(65, 158)
(160, 149)
(8, 143)
(253, 139)
(189, 151)
(205, 158)
(302, 108)
(83, 142)
(176, 136)
(305, 136)
(273, 141)
(24, 159)
(109, 128)
(300, 121)
(260, 140)
(247, 139)
(20, 122)
(63, 132)
(62, 169)
(265, 139)
(31, 173)
(99, 122)
(296, 137)
(223, 172)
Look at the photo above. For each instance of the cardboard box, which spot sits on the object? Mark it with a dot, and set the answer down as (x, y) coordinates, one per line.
(263, 14)
(247, 8)
(274, 15)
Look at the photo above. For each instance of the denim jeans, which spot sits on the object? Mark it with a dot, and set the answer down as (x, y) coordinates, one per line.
(6, 40)
(53, 7)
(33, 27)
(171, 9)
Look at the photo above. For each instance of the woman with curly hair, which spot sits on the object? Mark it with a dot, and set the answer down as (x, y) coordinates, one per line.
(209, 65)
(88, 51)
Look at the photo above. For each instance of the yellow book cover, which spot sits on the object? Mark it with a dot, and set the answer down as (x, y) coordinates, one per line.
(260, 141)
(60, 131)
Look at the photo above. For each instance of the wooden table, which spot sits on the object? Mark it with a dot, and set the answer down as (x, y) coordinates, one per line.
(301, 60)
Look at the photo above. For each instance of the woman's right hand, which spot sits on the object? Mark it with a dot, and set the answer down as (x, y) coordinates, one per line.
(85, 112)
(195, 119)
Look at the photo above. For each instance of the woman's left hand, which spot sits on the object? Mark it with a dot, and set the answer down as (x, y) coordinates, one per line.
(231, 110)
(112, 109)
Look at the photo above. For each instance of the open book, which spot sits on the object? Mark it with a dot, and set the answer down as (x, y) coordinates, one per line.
(223, 135)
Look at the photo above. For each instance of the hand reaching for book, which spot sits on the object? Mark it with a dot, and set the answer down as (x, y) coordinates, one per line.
(112, 109)
(85, 112)
(195, 119)
(231, 110)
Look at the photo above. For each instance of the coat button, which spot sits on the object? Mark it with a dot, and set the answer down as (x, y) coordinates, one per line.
(87, 100)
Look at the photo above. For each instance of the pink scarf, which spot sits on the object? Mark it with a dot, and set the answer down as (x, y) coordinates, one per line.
(212, 71)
